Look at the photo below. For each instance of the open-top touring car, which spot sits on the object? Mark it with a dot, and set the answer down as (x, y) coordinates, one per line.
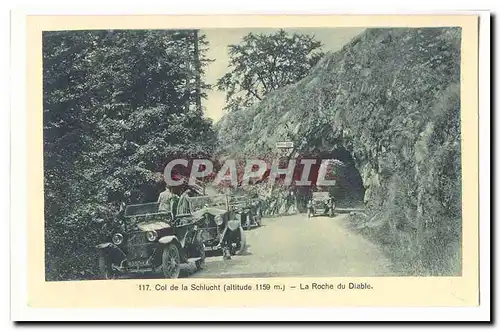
(248, 209)
(321, 203)
(152, 241)
(221, 226)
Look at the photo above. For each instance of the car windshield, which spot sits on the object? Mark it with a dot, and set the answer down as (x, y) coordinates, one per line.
(320, 195)
(239, 201)
(200, 202)
(145, 212)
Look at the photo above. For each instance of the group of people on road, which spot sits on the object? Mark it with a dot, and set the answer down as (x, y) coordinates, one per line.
(280, 202)
(275, 201)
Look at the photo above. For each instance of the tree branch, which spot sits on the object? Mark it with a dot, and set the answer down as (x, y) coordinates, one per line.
(254, 94)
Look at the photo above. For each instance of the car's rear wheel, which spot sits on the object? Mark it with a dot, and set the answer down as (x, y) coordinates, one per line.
(332, 209)
(171, 261)
(105, 271)
(226, 253)
(258, 219)
(200, 264)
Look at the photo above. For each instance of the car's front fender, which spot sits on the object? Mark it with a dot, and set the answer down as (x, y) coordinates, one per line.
(110, 249)
(104, 245)
(167, 239)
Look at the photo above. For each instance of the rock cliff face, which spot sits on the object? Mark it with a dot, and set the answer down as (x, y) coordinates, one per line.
(391, 98)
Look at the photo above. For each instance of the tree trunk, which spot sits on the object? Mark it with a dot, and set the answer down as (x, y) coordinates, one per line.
(188, 68)
(198, 71)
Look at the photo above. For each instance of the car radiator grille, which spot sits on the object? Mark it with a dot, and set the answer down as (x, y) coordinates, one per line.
(209, 234)
(210, 230)
(138, 246)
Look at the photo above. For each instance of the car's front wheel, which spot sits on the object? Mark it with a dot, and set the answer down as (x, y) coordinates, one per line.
(105, 271)
(171, 261)
(242, 245)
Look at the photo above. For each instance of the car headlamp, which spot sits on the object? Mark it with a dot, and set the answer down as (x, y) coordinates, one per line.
(219, 220)
(151, 235)
(117, 238)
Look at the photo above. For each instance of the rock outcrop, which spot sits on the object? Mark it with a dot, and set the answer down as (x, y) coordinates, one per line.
(391, 97)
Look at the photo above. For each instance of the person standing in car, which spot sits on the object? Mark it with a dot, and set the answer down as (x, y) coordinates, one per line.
(168, 201)
(183, 204)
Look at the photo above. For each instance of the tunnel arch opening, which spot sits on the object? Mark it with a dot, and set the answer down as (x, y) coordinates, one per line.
(348, 190)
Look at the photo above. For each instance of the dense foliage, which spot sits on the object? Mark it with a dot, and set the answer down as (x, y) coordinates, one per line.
(117, 106)
(262, 63)
(391, 98)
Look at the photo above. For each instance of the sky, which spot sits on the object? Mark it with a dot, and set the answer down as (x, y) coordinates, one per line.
(332, 38)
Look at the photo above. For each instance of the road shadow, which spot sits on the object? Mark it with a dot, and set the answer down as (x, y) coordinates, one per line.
(254, 228)
(187, 269)
(213, 253)
(244, 253)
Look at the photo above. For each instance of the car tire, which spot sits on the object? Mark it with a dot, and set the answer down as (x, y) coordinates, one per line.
(333, 209)
(226, 253)
(200, 264)
(243, 242)
(105, 271)
(171, 261)
(244, 224)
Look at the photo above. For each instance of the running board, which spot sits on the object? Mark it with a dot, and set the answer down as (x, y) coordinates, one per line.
(193, 259)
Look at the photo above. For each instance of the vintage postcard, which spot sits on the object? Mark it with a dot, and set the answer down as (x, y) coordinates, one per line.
(250, 161)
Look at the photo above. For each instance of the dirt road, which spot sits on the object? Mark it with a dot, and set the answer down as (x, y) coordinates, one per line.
(298, 246)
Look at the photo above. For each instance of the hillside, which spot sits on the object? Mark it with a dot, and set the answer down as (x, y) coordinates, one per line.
(390, 99)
